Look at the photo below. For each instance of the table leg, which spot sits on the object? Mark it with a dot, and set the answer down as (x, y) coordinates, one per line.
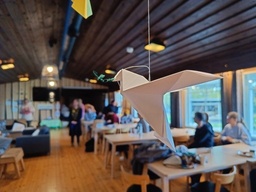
(113, 160)
(247, 183)
(106, 154)
(95, 142)
(165, 184)
(103, 144)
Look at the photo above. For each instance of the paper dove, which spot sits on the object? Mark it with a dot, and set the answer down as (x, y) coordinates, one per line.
(147, 96)
(83, 7)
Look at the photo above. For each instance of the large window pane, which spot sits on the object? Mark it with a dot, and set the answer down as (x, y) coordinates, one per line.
(249, 95)
(205, 97)
(167, 105)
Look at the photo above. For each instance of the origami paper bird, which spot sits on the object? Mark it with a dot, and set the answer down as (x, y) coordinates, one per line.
(147, 96)
(83, 7)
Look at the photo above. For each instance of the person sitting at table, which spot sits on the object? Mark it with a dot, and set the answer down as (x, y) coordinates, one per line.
(204, 135)
(142, 124)
(111, 118)
(4, 144)
(75, 121)
(125, 119)
(203, 138)
(90, 113)
(235, 131)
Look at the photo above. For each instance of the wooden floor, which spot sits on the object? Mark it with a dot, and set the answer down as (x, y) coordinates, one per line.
(67, 169)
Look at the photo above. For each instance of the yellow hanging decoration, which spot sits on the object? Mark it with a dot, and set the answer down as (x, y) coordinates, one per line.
(83, 7)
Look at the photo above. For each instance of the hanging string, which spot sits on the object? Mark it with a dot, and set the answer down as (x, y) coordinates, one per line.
(149, 54)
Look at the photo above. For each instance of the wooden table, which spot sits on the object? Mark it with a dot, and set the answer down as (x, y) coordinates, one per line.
(220, 157)
(124, 139)
(109, 128)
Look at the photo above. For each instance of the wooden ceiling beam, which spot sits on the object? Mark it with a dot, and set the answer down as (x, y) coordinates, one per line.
(212, 25)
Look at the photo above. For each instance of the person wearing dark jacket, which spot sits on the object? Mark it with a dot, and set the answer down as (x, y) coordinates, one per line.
(204, 134)
(203, 138)
(75, 122)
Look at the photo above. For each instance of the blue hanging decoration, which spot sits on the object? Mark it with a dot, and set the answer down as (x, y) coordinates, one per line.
(101, 77)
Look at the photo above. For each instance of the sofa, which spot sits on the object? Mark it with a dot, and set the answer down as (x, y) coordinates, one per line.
(35, 144)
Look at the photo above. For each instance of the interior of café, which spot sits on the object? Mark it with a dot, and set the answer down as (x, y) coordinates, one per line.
(128, 96)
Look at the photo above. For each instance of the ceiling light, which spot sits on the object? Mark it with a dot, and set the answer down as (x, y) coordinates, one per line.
(7, 64)
(24, 77)
(93, 81)
(50, 72)
(155, 45)
(50, 69)
(51, 83)
(110, 71)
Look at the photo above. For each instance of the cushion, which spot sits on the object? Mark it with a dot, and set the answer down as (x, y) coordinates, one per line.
(150, 188)
(36, 132)
(18, 127)
(44, 130)
(206, 187)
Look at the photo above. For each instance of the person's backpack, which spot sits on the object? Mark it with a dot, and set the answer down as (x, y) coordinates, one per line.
(89, 145)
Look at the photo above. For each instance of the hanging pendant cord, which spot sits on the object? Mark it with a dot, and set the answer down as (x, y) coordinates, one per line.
(149, 54)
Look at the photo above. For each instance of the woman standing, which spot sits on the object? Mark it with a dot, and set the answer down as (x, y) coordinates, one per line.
(235, 131)
(27, 111)
(75, 121)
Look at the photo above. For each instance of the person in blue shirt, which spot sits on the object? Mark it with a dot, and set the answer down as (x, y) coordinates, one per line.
(90, 113)
(125, 119)
(235, 131)
(143, 125)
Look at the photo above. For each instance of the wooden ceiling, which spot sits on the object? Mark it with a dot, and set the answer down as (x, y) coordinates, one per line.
(205, 35)
(194, 31)
(25, 29)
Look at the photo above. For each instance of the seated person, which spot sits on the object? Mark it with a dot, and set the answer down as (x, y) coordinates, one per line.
(204, 134)
(90, 113)
(4, 144)
(142, 124)
(235, 131)
(125, 119)
(111, 118)
(203, 138)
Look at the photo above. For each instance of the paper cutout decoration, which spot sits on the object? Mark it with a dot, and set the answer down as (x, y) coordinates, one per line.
(83, 7)
(147, 97)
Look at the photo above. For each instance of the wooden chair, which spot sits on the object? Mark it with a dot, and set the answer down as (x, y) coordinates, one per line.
(218, 181)
(137, 183)
(181, 140)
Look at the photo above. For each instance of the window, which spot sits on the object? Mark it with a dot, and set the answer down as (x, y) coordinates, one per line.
(167, 106)
(249, 97)
(205, 97)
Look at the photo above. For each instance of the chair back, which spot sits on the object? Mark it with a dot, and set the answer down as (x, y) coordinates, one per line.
(130, 179)
(181, 139)
(224, 179)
